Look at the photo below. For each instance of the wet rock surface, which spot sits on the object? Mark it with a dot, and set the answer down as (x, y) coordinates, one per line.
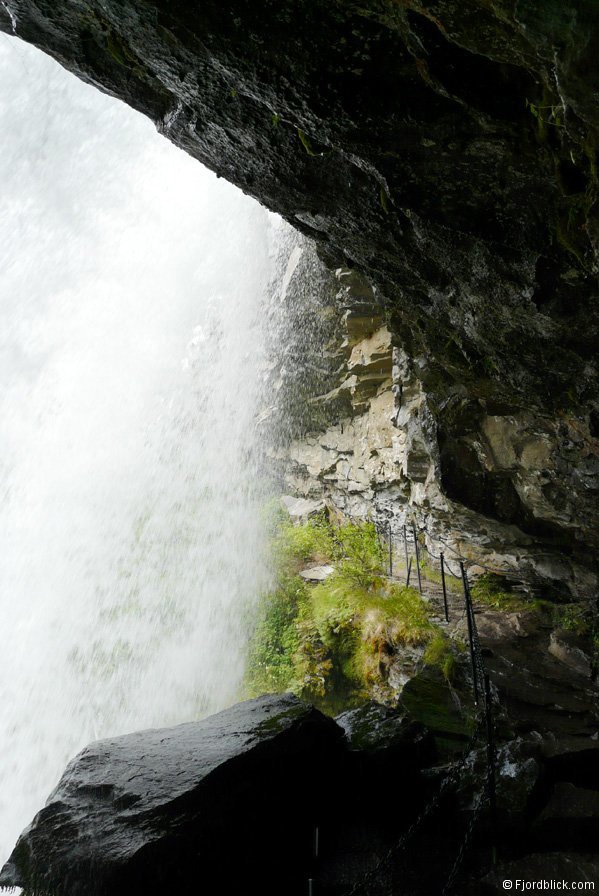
(537, 690)
(374, 448)
(144, 812)
(376, 728)
(232, 799)
(448, 152)
(159, 809)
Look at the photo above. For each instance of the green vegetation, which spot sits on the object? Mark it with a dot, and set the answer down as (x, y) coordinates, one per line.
(122, 53)
(305, 141)
(384, 198)
(309, 147)
(578, 157)
(444, 654)
(494, 591)
(332, 643)
(581, 621)
(433, 573)
(545, 116)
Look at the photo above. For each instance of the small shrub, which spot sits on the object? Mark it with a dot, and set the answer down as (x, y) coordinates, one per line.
(295, 546)
(443, 653)
(311, 660)
(362, 561)
(584, 622)
(270, 665)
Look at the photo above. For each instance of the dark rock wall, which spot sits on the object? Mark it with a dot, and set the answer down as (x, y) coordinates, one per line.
(448, 150)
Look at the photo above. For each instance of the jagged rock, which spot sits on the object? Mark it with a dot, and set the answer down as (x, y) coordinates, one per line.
(505, 625)
(376, 728)
(569, 648)
(518, 770)
(568, 801)
(431, 700)
(539, 692)
(403, 665)
(570, 819)
(317, 573)
(573, 759)
(300, 509)
(198, 805)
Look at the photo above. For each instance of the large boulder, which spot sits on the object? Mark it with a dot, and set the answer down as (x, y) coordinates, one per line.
(229, 802)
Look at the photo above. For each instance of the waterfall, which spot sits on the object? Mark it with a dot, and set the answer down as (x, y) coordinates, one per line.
(132, 292)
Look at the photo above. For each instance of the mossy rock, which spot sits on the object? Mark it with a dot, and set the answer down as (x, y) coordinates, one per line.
(431, 700)
(379, 729)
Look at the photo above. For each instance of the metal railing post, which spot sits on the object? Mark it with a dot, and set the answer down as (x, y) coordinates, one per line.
(444, 588)
(405, 544)
(417, 550)
(470, 631)
(390, 551)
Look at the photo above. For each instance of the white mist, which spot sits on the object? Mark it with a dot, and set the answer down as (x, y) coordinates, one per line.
(132, 290)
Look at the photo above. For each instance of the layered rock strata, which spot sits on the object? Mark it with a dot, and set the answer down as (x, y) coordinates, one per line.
(504, 489)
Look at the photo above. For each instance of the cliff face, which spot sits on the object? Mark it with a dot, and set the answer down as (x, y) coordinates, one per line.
(366, 438)
(446, 151)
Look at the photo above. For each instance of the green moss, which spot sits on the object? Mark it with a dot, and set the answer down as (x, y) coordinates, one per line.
(430, 699)
(305, 141)
(122, 54)
(119, 50)
(308, 146)
(546, 115)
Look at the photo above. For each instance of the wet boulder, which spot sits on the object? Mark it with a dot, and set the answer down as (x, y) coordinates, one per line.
(219, 803)
(382, 731)
(388, 751)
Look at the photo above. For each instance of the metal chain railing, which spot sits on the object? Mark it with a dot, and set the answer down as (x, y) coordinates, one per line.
(451, 779)
(455, 868)
(484, 721)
